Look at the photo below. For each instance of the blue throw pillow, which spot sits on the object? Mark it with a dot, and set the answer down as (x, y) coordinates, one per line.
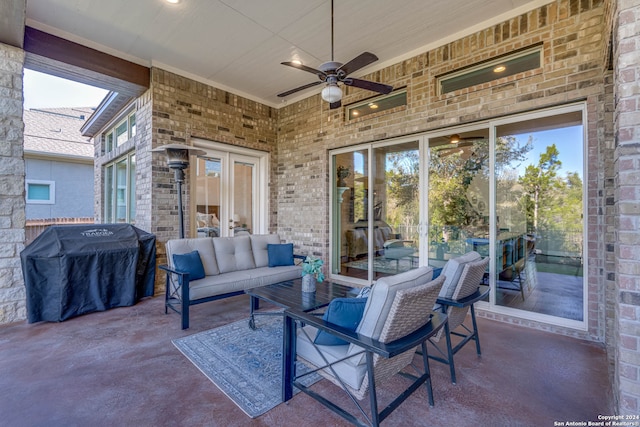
(345, 312)
(280, 255)
(189, 263)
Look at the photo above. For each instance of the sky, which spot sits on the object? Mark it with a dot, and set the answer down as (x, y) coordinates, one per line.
(46, 91)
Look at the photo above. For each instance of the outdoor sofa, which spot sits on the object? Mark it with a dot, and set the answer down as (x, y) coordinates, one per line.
(211, 268)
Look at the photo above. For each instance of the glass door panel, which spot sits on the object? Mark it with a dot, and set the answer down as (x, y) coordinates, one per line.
(539, 215)
(226, 194)
(395, 208)
(242, 185)
(350, 215)
(458, 196)
(208, 196)
(376, 211)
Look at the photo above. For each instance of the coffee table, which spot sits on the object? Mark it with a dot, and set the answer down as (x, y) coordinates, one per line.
(288, 294)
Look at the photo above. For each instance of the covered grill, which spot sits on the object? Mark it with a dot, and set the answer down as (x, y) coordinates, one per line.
(70, 270)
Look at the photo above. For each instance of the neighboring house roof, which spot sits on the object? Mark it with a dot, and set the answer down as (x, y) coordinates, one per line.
(56, 132)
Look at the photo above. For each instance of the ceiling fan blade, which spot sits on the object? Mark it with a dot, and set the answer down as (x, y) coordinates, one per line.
(369, 85)
(304, 68)
(289, 92)
(358, 62)
(335, 105)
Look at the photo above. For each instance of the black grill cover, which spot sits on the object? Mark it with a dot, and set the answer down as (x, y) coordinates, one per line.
(75, 269)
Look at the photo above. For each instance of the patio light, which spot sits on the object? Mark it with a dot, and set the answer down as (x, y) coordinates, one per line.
(178, 160)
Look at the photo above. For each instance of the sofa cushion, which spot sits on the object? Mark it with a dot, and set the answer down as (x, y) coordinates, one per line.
(233, 253)
(241, 280)
(204, 246)
(452, 271)
(345, 312)
(259, 244)
(281, 254)
(189, 263)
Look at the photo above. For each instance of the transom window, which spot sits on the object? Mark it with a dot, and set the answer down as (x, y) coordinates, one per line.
(124, 130)
(504, 66)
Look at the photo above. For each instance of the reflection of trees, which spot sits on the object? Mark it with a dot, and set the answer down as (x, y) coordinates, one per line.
(402, 178)
(452, 171)
(554, 203)
(539, 182)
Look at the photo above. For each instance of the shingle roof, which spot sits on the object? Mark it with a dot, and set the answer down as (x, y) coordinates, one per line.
(57, 131)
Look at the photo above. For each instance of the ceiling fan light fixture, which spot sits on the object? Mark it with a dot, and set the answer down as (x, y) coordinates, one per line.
(454, 139)
(331, 93)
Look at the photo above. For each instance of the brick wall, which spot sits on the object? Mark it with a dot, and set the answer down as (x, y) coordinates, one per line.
(571, 35)
(175, 110)
(12, 203)
(627, 207)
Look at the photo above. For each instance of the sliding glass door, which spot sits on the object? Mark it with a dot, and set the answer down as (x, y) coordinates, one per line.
(539, 177)
(376, 210)
(458, 195)
(511, 189)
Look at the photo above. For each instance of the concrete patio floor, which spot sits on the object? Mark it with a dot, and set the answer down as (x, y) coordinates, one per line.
(119, 368)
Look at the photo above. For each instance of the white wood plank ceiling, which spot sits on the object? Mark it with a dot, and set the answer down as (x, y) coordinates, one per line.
(238, 45)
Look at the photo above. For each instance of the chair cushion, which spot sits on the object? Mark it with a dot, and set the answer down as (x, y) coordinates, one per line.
(381, 298)
(344, 312)
(259, 244)
(280, 254)
(452, 271)
(189, 263)
(233, 253)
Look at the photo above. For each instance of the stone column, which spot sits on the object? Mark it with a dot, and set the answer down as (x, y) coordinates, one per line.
(627, 184)
(12, 200)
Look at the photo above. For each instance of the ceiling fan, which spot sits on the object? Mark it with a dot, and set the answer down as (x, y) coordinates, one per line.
(331, 73)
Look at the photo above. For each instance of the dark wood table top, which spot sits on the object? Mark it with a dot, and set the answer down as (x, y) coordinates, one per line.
(288, 294)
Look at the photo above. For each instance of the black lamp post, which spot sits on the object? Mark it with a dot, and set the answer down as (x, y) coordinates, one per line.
(178, 160)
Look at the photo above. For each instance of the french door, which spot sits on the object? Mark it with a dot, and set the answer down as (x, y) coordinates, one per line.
(230, 189)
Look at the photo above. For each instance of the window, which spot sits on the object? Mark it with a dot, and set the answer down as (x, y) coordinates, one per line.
(377, 104)
(120, 190)
(122, 132)
(500, 67)
(40, 192)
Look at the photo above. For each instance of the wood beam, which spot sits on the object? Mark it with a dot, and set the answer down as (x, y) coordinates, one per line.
(63, 58)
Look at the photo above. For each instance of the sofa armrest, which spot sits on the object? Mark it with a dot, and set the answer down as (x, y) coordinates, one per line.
(177, 292)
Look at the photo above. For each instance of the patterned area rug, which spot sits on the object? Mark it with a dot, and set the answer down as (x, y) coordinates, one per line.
(244, 364)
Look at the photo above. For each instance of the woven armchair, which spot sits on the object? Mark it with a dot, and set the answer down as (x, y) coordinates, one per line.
(370, 357)
(463, 293)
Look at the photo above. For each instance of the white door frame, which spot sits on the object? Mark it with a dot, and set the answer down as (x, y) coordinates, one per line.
(228, 154)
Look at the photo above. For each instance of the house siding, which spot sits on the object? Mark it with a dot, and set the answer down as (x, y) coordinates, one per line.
(73, 189)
